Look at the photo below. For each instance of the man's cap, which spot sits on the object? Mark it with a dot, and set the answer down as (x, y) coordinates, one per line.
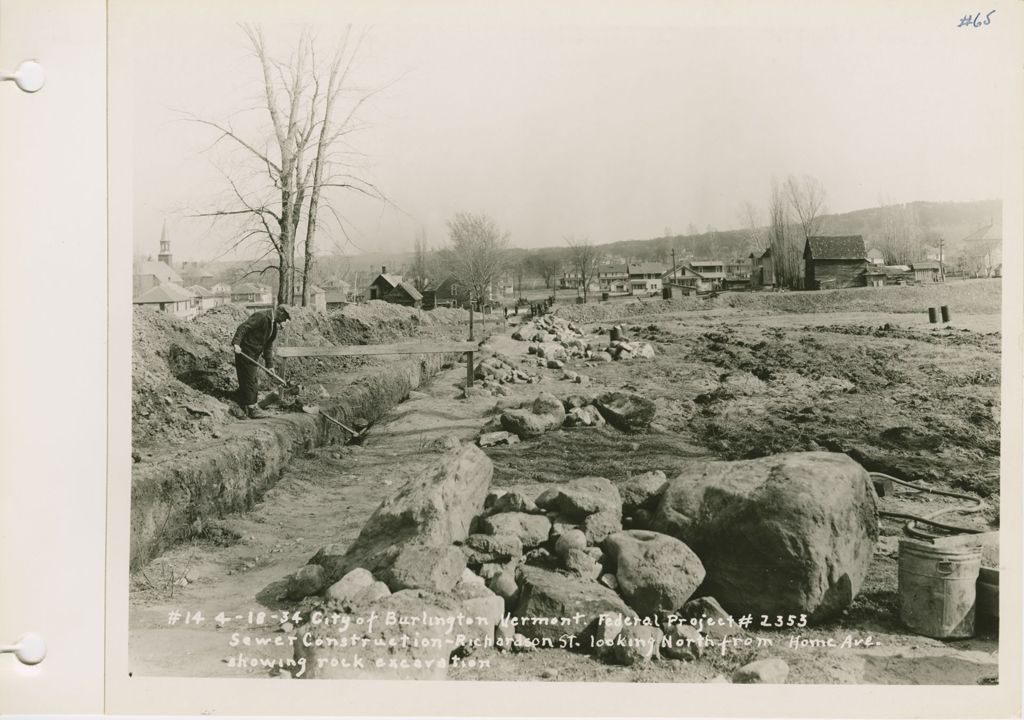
(282, 313)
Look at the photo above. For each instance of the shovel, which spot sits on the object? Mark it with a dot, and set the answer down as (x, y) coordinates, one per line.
(268, 371)
(357, 437)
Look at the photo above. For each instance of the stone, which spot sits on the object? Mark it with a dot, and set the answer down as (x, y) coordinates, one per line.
(560, 524)
(490, 570)
(489, 608)
(682, 642)
(588, 416)
(571, 540)
(709, 617)
(504, 585)
(642, 491)
(547, 594)
(600, 525)
(548, 404)
(637, 644)
(481, 549)
(307, 580)
(422, 567)
(581, 497)
(656, 573)
(609, 581)
(578, 562)
(501, 437)
(528, 424)
(602, 356)
(514, 501)
(424, 657)
(555, 364)
(569, 375)
(433, 510)
(600, 637)
(470, 585)
(779, 535)
(768, 671)
(532, 530)
(644, 350)
(576, 401)
(626, 411)
(372, 593)
(353, 583)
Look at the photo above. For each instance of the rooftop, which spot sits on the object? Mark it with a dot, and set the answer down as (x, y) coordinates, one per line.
(164, 292)
(836, 247)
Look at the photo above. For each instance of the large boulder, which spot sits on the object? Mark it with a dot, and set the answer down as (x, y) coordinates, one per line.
(425, 567)
(625, 411)
(546, 413)
(431, 511)
(790, 533)
(552, 604)
(655, 573)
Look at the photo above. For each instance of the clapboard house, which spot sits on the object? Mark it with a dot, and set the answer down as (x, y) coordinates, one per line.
(404, 294)
(835, 261)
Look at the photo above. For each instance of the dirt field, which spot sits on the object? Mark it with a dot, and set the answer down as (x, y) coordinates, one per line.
(731, 379)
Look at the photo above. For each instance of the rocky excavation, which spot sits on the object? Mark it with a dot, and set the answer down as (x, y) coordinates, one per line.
(658, 520)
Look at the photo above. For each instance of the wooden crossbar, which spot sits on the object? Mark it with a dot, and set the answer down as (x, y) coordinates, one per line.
(425, 348)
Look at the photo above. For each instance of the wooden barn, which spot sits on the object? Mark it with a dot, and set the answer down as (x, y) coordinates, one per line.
(837, 261)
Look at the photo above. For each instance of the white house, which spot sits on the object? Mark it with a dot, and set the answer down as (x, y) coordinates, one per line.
(170, 298)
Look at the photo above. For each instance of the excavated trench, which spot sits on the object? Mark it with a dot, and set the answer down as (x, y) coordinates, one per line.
(177, 495)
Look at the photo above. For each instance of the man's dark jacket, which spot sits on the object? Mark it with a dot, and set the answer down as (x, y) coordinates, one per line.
(256, 336)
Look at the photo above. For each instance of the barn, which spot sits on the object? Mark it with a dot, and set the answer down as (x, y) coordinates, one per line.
(403, 294)
(836, 261)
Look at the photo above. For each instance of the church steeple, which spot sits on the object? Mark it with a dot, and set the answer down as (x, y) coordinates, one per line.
(165, 247)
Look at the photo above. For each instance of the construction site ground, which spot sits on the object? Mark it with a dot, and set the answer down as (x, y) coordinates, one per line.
(899, 394)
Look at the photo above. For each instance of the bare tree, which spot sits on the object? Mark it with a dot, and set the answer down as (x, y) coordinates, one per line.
(785, 245)
(807, 198)
(476, 254)
(268, 197)
(421, 261)
(756, 232)
(901, 241)
(585, 259)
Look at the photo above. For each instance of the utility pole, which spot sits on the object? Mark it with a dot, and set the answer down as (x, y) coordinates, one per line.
(673, 266)
(942, 270)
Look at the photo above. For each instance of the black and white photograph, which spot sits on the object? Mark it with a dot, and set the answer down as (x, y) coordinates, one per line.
(597, 344)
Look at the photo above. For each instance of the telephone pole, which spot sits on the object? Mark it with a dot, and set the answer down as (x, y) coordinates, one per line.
(942, 270)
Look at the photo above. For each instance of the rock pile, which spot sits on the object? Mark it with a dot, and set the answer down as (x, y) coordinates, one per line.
(624, 411)
(559, 571)
(496, 371)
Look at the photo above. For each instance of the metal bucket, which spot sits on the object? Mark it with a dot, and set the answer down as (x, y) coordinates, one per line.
(937, 589)
(988, 592)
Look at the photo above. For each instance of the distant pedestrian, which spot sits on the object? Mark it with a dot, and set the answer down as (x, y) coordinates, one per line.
(255, 337)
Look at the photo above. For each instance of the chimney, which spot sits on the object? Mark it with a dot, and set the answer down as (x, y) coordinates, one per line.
(383, 269)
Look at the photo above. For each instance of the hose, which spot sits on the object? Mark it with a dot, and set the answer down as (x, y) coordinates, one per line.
(911, 527)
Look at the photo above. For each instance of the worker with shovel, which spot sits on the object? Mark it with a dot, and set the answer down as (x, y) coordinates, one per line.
(253, 338)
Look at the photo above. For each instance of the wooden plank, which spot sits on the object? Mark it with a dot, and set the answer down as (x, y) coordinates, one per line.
(424, 348)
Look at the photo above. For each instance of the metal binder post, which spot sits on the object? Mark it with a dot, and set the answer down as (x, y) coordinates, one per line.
(29, 77)
(30, 649)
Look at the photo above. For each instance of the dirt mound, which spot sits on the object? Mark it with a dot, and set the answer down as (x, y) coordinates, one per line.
(183, 375)
(967, 296)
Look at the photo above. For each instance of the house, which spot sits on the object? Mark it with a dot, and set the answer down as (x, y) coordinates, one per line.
(982, 251)
(645, 278)
(874, 256)
(205, 299)
(404, 294)
(572, 280)
(169, 298)
(337, 295)
(147, 274)
(882, 275)
(447, 294)
(738, 269)
(221, 289)
(613, 278)
(762, 269)
(251, 294)
(383, 284)
(193, 273)
(927, 272)
(317, 297)
(834, 261)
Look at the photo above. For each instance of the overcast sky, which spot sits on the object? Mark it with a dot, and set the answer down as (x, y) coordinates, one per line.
(556, 122)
